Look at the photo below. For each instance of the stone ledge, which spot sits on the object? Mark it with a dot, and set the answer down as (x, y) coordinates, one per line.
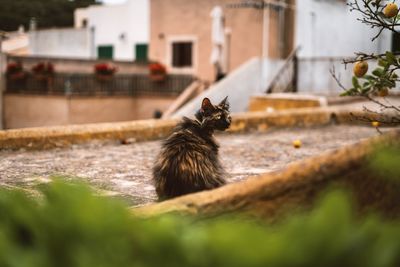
(283, 101)
(63, 136)
(297, 185)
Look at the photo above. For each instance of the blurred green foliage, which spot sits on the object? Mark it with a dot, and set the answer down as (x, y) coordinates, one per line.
(385, 162)
(70, 226)
(49, 13)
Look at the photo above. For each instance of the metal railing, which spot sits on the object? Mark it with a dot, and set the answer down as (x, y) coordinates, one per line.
(90, 84)
(286, 78)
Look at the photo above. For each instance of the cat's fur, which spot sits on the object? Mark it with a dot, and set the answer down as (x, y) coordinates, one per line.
(188, 161)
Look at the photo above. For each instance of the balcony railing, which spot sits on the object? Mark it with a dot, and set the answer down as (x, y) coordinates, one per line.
(286, 78)
(90, 84)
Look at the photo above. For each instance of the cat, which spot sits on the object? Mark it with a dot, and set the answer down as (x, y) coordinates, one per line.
(188, 161)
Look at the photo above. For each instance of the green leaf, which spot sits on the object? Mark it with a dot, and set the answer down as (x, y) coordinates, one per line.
(382, 62)
(391, 59)
(378, 72)
(355, 82)
(369, 77)
(365, 90)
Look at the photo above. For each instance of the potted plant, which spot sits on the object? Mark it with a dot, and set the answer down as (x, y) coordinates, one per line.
(43, 71)
(15, 71)
(158, 72)
(104, 71)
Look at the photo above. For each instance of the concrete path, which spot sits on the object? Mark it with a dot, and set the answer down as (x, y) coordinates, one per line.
(125, 170)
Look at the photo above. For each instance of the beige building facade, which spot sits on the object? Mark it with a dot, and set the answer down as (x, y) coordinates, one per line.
(180, 34)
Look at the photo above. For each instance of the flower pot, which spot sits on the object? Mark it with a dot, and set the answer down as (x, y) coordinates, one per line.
(157, 77)
(104, 77)
(41, 77)
(17, 76)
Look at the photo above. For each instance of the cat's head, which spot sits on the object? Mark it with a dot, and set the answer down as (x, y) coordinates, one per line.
(214, 117)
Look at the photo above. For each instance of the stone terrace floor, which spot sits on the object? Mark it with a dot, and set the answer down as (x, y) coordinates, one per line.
(125, 170)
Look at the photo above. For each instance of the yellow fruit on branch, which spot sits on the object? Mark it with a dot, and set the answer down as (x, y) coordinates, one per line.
(360, 68)
(391, 10)
(383, 92)
(375, 124)
(297, 143)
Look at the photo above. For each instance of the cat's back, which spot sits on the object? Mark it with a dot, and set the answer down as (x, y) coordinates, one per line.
(187, 136)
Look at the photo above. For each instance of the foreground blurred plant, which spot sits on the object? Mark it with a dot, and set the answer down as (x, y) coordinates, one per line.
(382, 15)
(385, 163)
(69, 226)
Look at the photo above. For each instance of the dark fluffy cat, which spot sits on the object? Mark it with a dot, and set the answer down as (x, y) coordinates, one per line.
(188, 161)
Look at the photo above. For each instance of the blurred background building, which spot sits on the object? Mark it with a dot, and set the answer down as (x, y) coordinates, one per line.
(241, 47)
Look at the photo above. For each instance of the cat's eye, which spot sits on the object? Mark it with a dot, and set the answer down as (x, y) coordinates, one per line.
(218, 117)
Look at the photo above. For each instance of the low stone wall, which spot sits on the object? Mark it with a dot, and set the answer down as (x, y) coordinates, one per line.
(298, 186)
(62, 136)
(283, 101)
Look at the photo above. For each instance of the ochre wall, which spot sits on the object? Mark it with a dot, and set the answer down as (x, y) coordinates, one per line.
(192, 18)
(31, 110)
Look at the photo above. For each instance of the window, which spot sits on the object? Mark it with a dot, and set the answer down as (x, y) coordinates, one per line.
(182, 54)
(141, 52)
(105, 52)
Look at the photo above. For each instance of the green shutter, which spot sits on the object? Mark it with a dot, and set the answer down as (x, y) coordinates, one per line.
(141, 52)
(105, 52)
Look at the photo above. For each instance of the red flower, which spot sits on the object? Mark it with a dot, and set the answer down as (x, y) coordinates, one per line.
(43, 68)
(104, 68)
(14, 67)
(157, 68)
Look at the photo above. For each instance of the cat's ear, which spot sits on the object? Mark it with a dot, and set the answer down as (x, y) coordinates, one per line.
(206, 105)
(224, 103)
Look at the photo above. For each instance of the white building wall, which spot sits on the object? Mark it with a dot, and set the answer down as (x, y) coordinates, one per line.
(80, 15)
(70, 43)
(327, 32)
(122, 26)
(328, 28)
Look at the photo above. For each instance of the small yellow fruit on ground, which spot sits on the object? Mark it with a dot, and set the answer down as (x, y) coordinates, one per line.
(360, 68)
(383, 92)
(375, 124)
(297, 143)
(391, 10)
